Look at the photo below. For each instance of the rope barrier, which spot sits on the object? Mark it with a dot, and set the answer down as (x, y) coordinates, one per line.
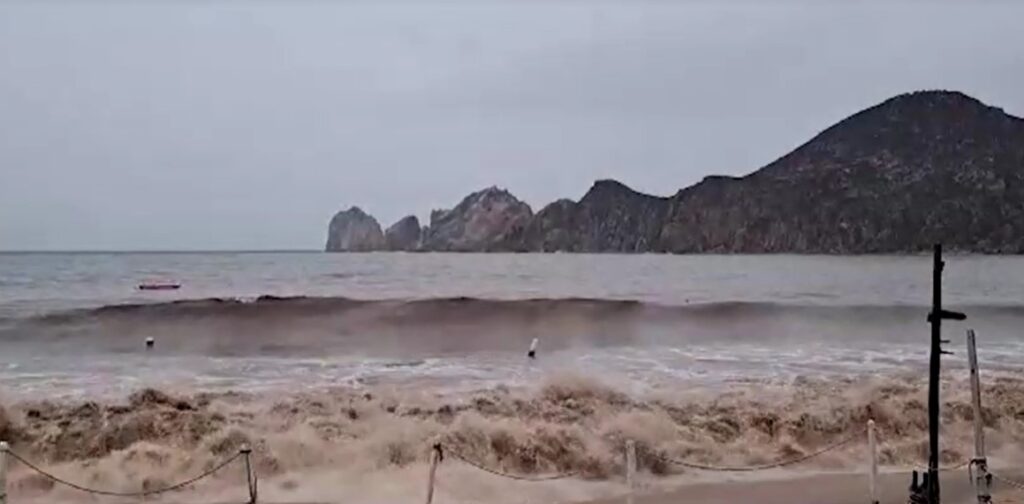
(960, 465)
(144, 493)
(924, 468)
(692, 465)
(1016, 485)
(770, 465)
(504, 474)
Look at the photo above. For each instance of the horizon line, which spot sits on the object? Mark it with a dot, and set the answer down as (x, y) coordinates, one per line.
(158, 251)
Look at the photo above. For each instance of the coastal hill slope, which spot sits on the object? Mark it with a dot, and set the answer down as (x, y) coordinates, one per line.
(916, 169)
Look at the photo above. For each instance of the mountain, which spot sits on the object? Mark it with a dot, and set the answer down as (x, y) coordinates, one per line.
(914, 170)
(919, 168)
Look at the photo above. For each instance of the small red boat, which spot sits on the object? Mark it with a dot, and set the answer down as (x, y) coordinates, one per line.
(159, 286)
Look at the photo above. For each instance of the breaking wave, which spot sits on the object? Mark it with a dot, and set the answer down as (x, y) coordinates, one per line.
(472, 307)
(270, 325)
(567, 424)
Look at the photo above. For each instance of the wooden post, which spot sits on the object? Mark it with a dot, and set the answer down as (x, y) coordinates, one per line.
(630, 469)
(935, 318)
(981, 478)
(250, 478)
(933, 379)
(435, 458)
(3, 472)
(873, 454)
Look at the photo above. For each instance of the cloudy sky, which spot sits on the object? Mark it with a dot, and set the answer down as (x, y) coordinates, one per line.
(246, 125)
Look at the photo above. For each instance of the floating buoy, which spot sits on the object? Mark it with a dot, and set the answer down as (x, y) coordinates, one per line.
(533, 349)
(150, 342)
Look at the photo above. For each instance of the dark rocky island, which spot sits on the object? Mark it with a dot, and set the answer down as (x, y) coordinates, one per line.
(406, 234)
(353, 230)
(484, 221)
(916, 169)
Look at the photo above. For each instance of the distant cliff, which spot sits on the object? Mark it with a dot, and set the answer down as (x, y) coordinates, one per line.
(354, 231)
(916, 169)
(404, 235)
(609, 218)
(484, 221)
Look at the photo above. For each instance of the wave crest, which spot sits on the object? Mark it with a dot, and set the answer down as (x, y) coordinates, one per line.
(285, 306)
(271, 325)
(571, 424)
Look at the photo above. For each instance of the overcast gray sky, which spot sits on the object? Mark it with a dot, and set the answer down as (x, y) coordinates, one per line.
(234, 125)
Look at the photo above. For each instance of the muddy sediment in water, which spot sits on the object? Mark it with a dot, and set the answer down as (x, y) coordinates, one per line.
(570, 424)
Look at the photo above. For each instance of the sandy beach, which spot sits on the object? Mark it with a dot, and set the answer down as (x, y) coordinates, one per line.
(822, 488)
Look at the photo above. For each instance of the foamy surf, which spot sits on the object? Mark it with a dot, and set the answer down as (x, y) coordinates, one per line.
(307, 444)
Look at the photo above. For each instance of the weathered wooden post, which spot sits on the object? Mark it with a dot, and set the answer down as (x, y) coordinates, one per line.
(250, 477)
(982, 481)
(3, 471)
(937, 315)
(630, 469)
(873, 467)
(436, 455)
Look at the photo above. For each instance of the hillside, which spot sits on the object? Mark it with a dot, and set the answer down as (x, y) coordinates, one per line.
(916, 169)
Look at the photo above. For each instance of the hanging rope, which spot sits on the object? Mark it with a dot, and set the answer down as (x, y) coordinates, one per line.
(959, 465)
(1016, 485)
(143, 493)
(504, 474)
(924, 468)
(770, 465)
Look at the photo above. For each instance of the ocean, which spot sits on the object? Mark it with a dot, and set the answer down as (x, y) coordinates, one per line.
(341, 370)
(73, 324)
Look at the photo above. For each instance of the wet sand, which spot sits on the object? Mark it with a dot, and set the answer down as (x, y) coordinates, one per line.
(822, 488)
(842, 488)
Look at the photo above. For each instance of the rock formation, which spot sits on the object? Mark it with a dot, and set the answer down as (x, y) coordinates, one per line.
(484, 221)
(916, 169)
(609, 218)
(354, 231)
(404, 235)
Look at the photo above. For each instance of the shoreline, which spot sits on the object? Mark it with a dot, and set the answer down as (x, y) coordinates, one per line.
(796, 488)
(305, 444)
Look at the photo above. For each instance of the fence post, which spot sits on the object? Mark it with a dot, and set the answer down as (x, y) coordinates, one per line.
(435, 458)
(981, 478)
(250, 477)
(630, 469)
(3, 472)
(873, 467)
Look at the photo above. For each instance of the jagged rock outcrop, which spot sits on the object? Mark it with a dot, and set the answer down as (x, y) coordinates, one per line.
(404, 235)
(917, 169)
(484, 221)
(609, 218)
(920, 168)
(354, 231)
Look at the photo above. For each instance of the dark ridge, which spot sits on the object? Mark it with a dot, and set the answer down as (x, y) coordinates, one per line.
(916, 169)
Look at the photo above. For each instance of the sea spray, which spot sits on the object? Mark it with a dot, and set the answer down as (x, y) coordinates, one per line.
(569, 424)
